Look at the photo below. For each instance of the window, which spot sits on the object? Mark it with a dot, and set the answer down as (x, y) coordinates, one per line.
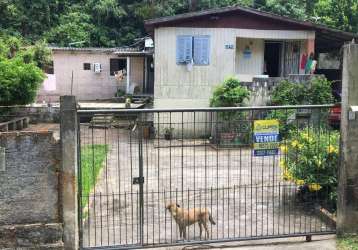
(201, 50)
(184, 53)
(86, 66)
(195, 49)
(117, 65)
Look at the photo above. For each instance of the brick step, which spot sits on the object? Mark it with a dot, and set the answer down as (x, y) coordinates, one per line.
(31, 236)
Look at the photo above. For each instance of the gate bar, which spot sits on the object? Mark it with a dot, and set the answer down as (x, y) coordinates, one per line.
(111, 111)
(193, 243)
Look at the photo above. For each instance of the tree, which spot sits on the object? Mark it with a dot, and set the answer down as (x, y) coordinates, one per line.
(73, 27)
(112, 23)
(337, 13)
(289, 8)
(259, 4)
(20, 77)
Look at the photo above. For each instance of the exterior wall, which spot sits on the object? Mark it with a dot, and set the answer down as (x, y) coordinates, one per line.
(88, 85)
(30, 208)
(29, 183)
(177, 87)
(247, 68)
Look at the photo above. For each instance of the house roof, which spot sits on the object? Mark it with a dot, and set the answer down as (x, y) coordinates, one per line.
(326, 38)
(117, 51)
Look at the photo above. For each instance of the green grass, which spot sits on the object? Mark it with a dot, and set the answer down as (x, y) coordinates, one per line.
(92, 158)
(347, 242)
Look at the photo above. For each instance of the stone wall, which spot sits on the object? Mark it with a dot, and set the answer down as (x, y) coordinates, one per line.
(261, 88)
(30, 211)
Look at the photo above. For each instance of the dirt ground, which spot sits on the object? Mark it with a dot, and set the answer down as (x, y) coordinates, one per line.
(245, 194)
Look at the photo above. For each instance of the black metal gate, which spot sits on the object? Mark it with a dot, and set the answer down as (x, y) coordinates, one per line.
(134, 163)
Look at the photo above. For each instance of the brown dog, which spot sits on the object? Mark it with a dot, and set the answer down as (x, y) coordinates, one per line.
(187, 217)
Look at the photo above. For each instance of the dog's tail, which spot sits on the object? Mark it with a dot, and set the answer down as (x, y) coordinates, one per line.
(211, 219)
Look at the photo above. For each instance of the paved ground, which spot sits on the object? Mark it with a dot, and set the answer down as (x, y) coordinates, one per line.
(54, 127)
(299, 243)
(245, 194)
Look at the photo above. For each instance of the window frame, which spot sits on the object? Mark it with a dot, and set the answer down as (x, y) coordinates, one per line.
(193, 37)
(208, 50)
(177, 57)
(87, 66)
(111, 72)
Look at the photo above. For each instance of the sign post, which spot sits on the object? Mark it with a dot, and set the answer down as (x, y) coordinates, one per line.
(266, 137)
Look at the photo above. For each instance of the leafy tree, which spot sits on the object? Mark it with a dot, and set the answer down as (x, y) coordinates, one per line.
(20, 77)
(290, 8)
(111, 23)
(19, 81)
(73, 27)
(259, 3)
(337, 13)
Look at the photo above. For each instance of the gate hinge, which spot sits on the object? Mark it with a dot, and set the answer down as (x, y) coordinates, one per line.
(138, 180)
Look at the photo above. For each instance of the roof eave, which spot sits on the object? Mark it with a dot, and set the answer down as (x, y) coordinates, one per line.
(151, 24)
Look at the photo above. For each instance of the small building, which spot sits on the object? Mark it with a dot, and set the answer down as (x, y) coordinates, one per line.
(196, 51)
(90, 73)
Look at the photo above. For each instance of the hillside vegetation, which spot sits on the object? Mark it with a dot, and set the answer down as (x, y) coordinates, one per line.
(111, 23)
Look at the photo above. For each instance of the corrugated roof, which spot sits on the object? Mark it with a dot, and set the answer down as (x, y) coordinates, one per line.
(177, 18)
(326, 38)
(134, 51)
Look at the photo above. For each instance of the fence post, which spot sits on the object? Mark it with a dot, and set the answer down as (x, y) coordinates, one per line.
(347, 214)
(69, 172)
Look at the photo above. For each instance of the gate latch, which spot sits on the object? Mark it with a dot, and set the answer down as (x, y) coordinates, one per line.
(138, 180)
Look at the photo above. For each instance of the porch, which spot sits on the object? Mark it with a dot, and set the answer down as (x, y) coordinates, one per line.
(265, 58)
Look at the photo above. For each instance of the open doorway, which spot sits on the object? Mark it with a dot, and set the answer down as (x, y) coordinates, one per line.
(272, 58)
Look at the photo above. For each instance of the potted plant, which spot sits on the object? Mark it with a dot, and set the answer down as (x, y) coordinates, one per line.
(227, 129)
(168, 133)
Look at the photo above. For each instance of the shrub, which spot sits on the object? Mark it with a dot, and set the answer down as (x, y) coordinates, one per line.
(288, 93)
(229, 94)
(311, 160)
(320, 91)
(317, 91)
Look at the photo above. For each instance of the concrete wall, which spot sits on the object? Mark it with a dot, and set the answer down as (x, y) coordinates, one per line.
(347, 206)
(175, 86)
(30, 208)
(88, 85)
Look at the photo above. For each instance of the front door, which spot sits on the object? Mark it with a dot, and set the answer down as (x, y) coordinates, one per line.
(272, 58)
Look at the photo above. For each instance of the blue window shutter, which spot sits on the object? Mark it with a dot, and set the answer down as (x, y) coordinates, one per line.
(184, 52)
(202, 50)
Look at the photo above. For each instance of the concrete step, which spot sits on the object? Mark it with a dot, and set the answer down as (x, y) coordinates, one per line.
(56, 246)
(99, 121)
(31, 236)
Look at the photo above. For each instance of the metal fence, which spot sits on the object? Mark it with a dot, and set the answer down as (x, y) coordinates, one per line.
(134, 163)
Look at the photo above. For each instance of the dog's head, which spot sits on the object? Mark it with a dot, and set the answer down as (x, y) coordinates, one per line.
(172, 206)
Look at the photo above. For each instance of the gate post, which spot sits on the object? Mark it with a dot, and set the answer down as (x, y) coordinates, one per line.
(347, 214)
(68, 129)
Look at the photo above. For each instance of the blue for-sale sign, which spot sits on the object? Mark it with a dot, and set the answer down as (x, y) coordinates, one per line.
(266, 137)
